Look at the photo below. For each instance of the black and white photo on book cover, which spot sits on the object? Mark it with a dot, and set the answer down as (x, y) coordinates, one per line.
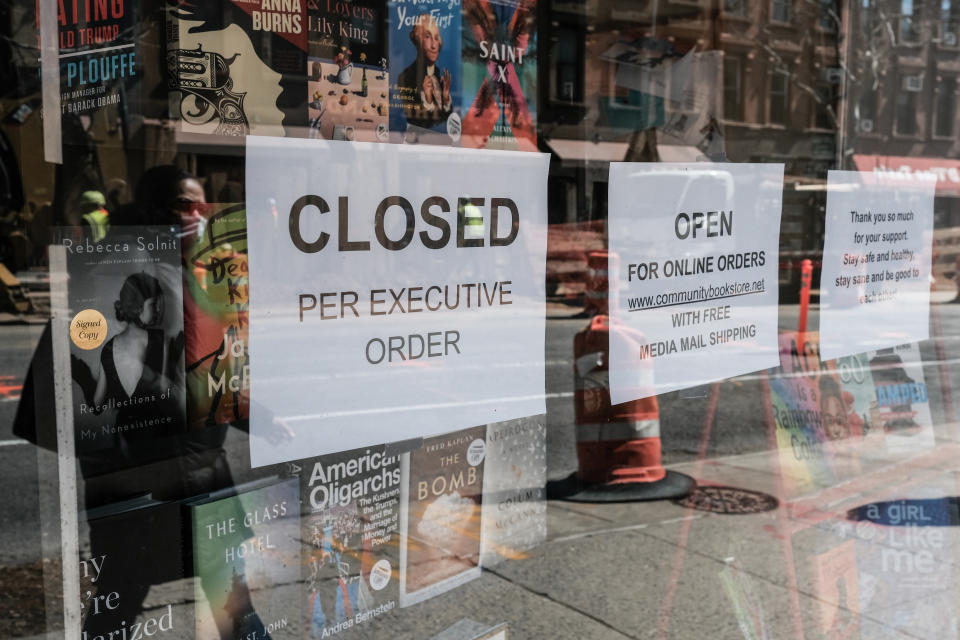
(126, 337)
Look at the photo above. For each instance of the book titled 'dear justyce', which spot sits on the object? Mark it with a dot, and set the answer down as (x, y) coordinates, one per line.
(246, 561)
(126, 339)
(350, 533)
(441, 519)
(216, 301)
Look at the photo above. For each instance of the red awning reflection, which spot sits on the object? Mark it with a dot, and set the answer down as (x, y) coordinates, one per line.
(946, 171)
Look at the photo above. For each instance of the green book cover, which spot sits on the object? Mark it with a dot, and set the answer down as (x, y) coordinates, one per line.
(247, 563)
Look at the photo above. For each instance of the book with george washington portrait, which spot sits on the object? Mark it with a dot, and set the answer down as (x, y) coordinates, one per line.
(425, 73)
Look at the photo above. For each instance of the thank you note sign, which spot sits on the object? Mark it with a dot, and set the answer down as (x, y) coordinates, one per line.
(395, 292)
(877, 252)
(693, 273)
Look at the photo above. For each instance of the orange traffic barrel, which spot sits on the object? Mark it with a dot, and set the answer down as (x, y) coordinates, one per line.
(597, 291)
(618, 446)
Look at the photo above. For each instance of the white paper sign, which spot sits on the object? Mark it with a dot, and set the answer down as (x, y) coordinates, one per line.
(395, 292)
(875, 282)
(693, 268)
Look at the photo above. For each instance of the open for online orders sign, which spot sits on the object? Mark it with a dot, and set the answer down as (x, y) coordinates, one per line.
(395, 292)
(693, 273)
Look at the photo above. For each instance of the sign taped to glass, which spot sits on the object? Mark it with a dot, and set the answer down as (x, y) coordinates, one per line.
(407, 283)
(693, 294)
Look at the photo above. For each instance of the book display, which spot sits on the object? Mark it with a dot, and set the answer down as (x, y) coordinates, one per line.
(831, 416)
(479, 319)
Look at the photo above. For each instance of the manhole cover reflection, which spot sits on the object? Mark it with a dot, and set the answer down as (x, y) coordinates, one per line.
(729, 500)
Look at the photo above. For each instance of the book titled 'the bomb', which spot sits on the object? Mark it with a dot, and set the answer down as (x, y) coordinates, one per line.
(441, 520)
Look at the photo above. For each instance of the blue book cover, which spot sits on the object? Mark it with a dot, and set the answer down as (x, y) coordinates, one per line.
(424, 71)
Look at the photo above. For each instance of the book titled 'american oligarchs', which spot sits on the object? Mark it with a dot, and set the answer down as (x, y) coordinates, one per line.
(441, 520)
(246, 561)
(500, 74)
(126, 340)
(350, 533)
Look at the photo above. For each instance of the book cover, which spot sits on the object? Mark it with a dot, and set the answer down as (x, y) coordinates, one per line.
(246, 561)
(905, 557)
(134, 544)
(746, 600)
(902, 402)
(236, 68)
(351, 540)
(500, 74)
(425, 71)
(347, 71)
(835, 583)
(801, 439)
(126, 339)
(216, 299)
(514, 489)
(98, 56)
(441, 517)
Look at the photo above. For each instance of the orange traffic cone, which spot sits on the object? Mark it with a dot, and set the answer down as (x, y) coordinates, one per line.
(618, 446)
(597, 293)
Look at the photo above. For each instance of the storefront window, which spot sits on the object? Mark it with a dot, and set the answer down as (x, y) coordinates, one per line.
(479, 319)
